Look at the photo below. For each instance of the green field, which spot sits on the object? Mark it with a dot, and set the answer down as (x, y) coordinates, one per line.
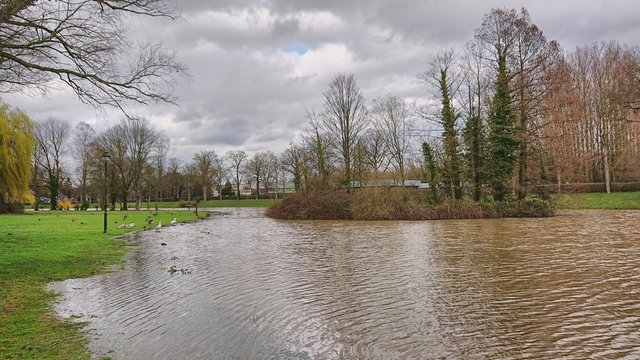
(41, 247)
(619, 200)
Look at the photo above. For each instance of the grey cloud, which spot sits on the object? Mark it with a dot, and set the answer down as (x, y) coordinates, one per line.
(246, 95)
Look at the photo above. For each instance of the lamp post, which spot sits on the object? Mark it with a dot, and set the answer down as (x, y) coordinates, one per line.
(105, 157)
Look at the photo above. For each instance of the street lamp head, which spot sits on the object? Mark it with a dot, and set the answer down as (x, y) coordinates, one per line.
(106, 156)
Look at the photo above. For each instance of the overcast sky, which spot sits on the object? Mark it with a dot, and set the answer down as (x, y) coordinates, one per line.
(256, 65)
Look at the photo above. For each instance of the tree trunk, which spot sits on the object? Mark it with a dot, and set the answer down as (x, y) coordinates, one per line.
(53, 191)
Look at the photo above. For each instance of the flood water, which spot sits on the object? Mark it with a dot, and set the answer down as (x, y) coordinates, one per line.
(249, 287)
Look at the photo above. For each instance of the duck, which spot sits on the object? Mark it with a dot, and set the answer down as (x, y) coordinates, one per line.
(159, 225)
(173, 222)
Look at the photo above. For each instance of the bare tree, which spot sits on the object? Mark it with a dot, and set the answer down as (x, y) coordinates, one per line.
(174, 177)
(82, 43)
(84, 137)
(293, 161)
(393, 123)
(269, 176)
(256, 168)
(204, 162)
(131, 144)
(344, 118)
(219, 174)
(51, 137)
(237, 159)
(160, 154)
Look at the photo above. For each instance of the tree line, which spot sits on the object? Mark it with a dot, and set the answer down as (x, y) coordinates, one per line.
(508, 114)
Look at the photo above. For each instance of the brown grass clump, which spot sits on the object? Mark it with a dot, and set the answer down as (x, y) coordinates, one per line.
(397, 204)
(316, 205)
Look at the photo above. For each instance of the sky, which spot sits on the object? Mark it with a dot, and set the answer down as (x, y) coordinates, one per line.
(256, 66)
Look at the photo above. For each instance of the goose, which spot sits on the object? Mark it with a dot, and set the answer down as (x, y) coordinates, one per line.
(159, 225)
(173, 222)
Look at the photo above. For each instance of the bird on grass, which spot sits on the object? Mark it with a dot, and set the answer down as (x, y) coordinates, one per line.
(173, 222)
(122, 226)
(159, 225)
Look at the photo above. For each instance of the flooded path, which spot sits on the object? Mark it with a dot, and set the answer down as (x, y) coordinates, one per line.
(242, 286)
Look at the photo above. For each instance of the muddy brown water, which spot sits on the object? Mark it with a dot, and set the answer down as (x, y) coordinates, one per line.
(249, 287)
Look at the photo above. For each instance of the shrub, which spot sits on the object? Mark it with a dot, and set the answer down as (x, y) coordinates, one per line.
(64, 205)
(398, 204)
(320, 205)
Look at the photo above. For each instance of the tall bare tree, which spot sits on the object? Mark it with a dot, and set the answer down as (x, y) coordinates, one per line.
(344, 119)
(131, 144)
(83, 44)
(84, 136)
(51, 137)
(204, 162)
(237, 159)
(393, 122)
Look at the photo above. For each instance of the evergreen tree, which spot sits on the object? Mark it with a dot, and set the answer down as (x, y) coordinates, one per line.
(474, 139)
(503, 142)
(450, 138)
(430, 170)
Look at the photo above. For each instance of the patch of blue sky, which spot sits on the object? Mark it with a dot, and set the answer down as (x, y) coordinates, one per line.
(296, 47)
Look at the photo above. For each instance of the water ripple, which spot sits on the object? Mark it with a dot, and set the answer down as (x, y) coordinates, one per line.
(255, 288)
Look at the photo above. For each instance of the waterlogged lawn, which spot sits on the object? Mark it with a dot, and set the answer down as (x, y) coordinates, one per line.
(37, 248)
(619, 200)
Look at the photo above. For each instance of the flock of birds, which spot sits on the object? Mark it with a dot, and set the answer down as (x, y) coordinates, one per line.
(149, 221)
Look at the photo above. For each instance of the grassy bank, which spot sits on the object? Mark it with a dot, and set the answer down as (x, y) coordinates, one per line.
(398, 204)
(620, 200)
(41, 247)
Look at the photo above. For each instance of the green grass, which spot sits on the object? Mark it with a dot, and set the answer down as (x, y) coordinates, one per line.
(37, 248)
(619, 200)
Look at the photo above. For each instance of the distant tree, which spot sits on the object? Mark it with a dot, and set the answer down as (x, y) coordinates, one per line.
(219, 174)
(502, 141)
(256, 168)
(84, 45)
(377, 153)
(16, 153)
(393, 123)
(174, 177)
(84, 137)
(344, 119)
(269, 175)
(474, 141)
(430, 170)
(204, 162)
(227, 190)
(160, 157)
(51, 137)
(318, 151)
(237, 159)
(293, 160)
(131, 144)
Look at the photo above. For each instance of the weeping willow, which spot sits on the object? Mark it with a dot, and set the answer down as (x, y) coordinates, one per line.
(16, 150)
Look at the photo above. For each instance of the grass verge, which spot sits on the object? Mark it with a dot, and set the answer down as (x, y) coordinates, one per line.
(619, 200)
(41, 247)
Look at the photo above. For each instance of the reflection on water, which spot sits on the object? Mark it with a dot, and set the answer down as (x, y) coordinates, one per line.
(564, 287)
